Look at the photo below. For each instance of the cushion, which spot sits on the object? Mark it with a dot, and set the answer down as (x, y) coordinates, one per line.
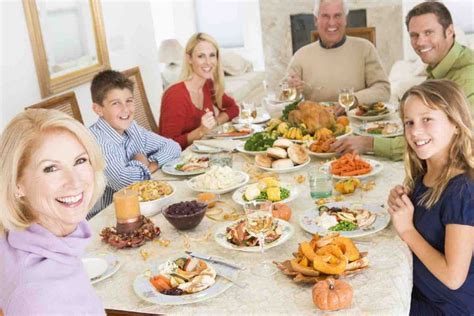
(234, 64)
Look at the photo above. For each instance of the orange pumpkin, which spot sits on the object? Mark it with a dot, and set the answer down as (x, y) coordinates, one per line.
(343, 120)
(331, 295)
(281, 211)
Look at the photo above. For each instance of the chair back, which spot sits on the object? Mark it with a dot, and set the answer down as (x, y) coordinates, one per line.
(143, 114)
(66, 103)
(364, 32)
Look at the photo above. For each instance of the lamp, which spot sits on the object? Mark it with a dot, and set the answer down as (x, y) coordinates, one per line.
(170, 52)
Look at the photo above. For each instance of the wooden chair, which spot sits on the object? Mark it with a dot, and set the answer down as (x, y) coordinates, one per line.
(143, 114)
(365, 32)
(66, 103)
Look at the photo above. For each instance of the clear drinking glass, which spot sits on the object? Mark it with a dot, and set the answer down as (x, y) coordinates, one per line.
(248, 112)
(320, 184)
(259, 222)
(346, 98)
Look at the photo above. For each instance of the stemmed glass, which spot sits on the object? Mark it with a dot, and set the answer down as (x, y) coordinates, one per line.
(259, 222)
(248, 112)
(287, 92)
(346, 98)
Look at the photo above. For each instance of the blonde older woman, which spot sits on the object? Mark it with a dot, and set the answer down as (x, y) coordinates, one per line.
(51, 171)
(195, 105)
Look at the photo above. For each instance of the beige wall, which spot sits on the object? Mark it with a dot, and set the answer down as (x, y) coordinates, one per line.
(276, 34)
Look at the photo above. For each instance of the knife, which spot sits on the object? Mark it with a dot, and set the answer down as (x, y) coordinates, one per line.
(212, 259)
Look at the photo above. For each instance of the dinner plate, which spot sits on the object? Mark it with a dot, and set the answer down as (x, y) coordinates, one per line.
(100, 265)
(307, 220)
(391, 109)
(261, 118)
(241, 148)
(321, 155)
(220, 237)
(255, 129)
(203, 149)
(376, 168)
(242, 178)
(238, 194)
(362, 129)
(286, 170)
(147, 292)
(170, 168)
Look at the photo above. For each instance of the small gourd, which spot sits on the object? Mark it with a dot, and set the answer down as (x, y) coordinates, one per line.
(281, 211)
(331, 294)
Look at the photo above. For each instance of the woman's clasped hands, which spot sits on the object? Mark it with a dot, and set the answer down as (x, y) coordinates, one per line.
(401, 210)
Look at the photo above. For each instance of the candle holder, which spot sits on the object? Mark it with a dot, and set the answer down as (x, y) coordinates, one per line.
(127, 211)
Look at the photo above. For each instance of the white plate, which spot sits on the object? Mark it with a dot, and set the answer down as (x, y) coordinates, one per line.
(220, 237)
(170, 168)
(308, 218)
(94, 265)
(241, 176)
(238, 194)
(261, 118)
(376, 168)
(286, 170)
(147, 292)
(321, 155)
(203, 149)
(242, 150)
(255, 129)
(392, 109)
(362, 129)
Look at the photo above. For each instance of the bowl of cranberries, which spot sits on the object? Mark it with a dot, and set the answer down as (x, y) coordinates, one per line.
(186, 214)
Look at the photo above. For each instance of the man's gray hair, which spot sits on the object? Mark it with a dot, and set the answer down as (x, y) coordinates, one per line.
(317, 3)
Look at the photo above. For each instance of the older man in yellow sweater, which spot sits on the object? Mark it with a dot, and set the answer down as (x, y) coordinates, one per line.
(319, 70)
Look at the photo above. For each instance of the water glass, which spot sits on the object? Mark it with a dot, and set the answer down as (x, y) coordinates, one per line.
(320, 184)
(222, 159)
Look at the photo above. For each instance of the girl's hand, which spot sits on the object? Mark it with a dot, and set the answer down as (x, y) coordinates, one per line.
(395, 193)
(401, 212)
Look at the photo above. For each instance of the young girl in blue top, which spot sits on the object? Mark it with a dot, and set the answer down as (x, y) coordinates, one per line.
(434, 211)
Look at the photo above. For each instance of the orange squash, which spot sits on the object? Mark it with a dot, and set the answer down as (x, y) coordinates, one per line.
(331, 295)
(281, 211)
(343, 120)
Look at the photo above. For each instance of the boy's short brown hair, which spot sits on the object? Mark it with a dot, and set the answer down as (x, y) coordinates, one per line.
(107, 80)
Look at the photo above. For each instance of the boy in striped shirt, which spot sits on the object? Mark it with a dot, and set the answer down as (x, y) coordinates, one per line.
(131, 152)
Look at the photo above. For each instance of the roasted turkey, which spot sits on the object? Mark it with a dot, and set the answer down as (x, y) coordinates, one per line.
(313, 115)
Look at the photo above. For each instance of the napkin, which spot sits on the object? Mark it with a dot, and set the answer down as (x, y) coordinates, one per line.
(225, 144)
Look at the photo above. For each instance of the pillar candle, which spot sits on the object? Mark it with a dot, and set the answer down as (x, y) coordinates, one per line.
(127, 207)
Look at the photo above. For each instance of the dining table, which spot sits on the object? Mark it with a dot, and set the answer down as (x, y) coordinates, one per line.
(384, 288)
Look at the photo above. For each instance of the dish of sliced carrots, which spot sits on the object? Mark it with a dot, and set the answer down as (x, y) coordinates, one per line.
(352, 165)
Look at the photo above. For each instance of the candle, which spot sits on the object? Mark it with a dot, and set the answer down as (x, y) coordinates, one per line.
(127, 207)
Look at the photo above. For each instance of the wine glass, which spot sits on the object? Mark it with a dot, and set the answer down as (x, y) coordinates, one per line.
(259, 222)
(346, 98)
(287, 92)
(248, 112)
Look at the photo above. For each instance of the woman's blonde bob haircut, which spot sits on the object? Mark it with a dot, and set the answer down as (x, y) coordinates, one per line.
(187, 70)
(20, 139)
(444, 95)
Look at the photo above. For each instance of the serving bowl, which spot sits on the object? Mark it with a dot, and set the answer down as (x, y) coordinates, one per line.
(151, 207)
(186, 214)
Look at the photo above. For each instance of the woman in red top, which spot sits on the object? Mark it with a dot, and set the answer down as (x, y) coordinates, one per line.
(195, 105)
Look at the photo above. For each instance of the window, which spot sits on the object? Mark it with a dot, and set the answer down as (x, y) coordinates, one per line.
(223, 20)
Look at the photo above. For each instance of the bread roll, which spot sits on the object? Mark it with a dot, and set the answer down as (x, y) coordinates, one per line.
(277, 153)
(282, 164)
(282, 143)
(297, 154)
(263, 161)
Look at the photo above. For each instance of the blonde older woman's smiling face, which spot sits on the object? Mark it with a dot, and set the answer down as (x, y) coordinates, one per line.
(58, 182)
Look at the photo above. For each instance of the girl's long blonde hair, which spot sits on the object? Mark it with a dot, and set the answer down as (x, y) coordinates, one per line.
(187, 70)
(444, 95)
